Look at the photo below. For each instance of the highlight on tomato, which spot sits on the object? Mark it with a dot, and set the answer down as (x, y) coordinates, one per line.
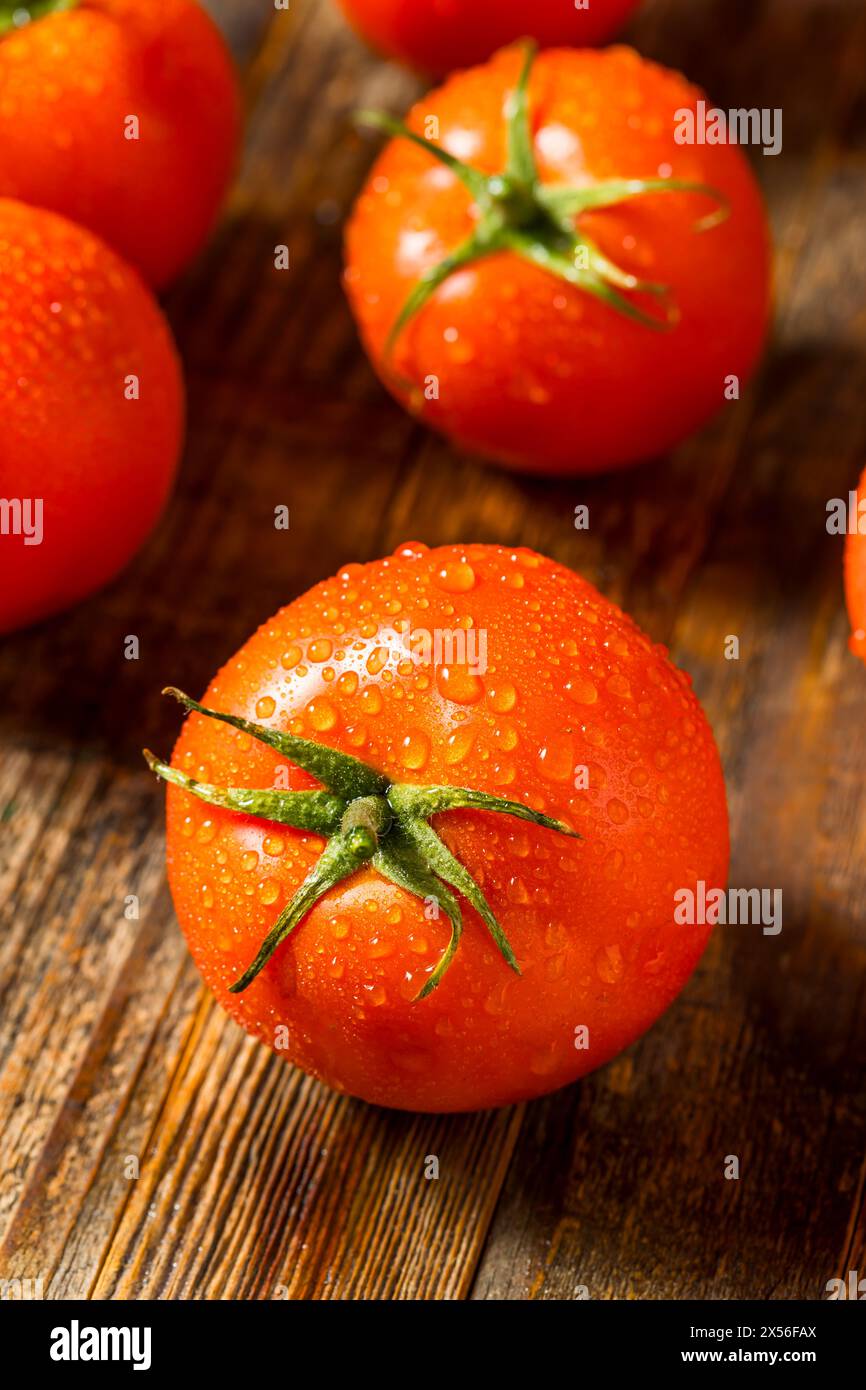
(91, 413)
(425, 830)
(439, 37)
(540, 271)
(123, 115)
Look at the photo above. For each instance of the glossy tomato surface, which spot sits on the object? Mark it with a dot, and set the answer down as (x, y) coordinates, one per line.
(573, 711)
(531, 371)
(855, 578)
(437, 36)
(80, 335)
(70, 84)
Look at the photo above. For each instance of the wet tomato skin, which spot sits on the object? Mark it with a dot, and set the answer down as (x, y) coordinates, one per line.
(81, 329)
(855, 578)
(570, 682)
(447, 34)
(72, 81)
(529, 371)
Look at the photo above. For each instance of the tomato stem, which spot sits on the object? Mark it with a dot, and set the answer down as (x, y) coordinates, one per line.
(367, 820)
(539, 222)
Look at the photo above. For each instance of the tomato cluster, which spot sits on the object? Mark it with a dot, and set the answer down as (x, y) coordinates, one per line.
(426, 830)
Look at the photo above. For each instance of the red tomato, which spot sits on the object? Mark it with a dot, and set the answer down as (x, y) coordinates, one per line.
(84, 466)
(438, 36)
(855, 578)
(483, 297)
(467, 667)
(72, 85)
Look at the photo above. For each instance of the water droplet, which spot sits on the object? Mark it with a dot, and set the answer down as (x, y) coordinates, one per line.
(268, 891)
(249, 861)
(273, 845)
(505, 736)
(581, 691)
(609, 965)
(291, 657)
(459, 684)
(517, 890)
(205, 832)
(613, 864)
(617, 810)
(556, 758)
(495, 1002)
(618, 685)
(348, 683)
(371, 700)
(265, 707)
(377, 659)
(415, 751)
(321, 715)
(455, 577)
(320, 650)
(459, 744)
(503, 696)
(339, 927)
(380, 950)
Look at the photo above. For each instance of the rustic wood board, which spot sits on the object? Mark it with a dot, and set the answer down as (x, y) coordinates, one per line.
(254, 1182)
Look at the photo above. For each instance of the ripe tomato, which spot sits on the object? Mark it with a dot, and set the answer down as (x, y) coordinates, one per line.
(469, 667)
(71, 84)
(443, 35)
(522, 339)
(855, 579)
(78, 453)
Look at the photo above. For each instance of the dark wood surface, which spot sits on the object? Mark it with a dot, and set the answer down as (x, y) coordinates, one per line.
(255, 1182)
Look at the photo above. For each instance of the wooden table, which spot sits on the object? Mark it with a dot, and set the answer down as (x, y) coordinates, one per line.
(253, 1181)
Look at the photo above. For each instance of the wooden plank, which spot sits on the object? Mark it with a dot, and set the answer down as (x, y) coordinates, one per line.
(254, 1182)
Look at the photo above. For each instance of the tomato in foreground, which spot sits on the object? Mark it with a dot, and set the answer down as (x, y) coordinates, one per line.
(550, 279)
(855, 578)
(73, 84)
(446, 878)
(91, 413)
(443, 35)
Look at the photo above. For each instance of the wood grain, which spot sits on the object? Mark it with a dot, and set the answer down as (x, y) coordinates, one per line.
(254, 1182)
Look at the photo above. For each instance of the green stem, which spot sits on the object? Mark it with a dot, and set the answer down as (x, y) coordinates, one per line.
(317, 811)
(521, 166)
(366, 820)
(339, 772)
(421, 803)
(538, 222)
(342, 856)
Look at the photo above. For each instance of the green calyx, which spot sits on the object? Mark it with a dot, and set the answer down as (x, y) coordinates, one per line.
(366, 820)
(539, 222)
(15, 15)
